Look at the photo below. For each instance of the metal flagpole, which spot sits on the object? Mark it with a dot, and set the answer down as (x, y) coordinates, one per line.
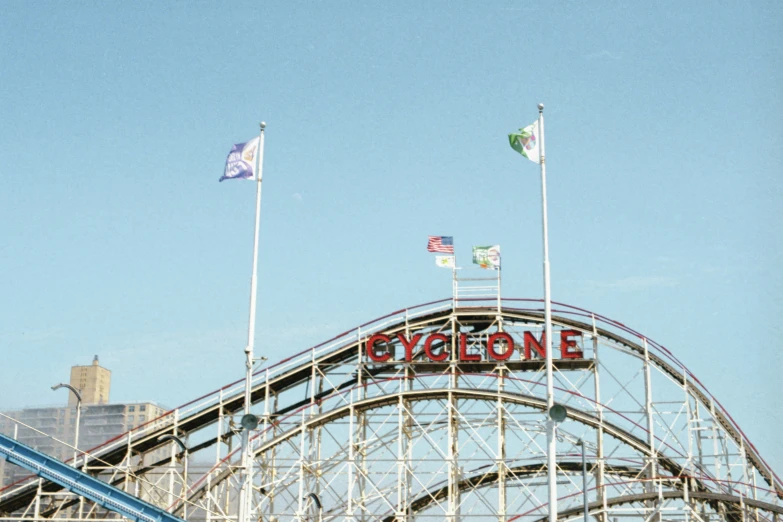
(550, 401)
(454, 283)
(500, 266)
(245, 493)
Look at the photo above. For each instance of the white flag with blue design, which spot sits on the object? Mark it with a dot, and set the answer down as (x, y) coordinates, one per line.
(241, 161)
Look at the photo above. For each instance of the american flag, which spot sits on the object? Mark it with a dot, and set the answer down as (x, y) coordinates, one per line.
(443, 244)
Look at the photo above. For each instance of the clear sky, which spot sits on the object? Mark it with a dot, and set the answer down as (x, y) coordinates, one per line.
(387, 122)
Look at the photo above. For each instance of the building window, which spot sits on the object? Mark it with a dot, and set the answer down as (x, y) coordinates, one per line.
(142, 407)
(131, 408)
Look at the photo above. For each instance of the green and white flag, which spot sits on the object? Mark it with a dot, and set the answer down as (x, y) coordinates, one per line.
(527, 142)
(445, 261)
(487, 257)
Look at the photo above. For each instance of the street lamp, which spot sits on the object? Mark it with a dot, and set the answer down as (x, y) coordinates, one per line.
(315, 501)
(581, 443)
(167, 437)
(78, 415)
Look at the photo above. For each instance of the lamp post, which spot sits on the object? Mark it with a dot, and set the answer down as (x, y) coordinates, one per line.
(315, 501)
(557, 414)
(181, 444)
(78, 416)
(581, 443)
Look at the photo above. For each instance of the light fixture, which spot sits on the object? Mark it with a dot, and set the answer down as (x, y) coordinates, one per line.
(249, 421)
(557, 413)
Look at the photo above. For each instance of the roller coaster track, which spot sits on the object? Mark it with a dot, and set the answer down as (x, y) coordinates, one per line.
(429, 395)
(82, 484)
(281, 378)
(490, 478)
(713, 498)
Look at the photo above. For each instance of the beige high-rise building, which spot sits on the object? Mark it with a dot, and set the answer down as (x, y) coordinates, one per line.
(42, 428)
(93, 383)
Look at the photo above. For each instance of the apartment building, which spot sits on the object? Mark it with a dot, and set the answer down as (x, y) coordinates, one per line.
(51, 429)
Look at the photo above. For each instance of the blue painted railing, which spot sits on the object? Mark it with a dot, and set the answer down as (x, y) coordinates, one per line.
(82, 484)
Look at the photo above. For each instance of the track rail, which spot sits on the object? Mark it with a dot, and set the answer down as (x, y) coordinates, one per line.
(82, 484)
(427, 395)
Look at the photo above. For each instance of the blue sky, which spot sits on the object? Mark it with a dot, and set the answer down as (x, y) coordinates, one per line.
(386, 122)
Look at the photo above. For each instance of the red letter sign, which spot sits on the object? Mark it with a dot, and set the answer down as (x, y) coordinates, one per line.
(567, 345)
(531, 341)
(409, 346)
(491, 346)
(428, 347)
(464, 356)
(371, 348)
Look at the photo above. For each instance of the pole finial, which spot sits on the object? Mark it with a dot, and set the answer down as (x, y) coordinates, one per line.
(540, 107)
(262, 125)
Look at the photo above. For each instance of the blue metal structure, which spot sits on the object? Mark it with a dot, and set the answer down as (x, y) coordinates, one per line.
(82, 484)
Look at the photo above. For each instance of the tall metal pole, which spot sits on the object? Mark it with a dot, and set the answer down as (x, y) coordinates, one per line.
(185, 485)
(184, 489)
(76, 434)
(78, 415)
(581, 443)
(245, 492)
(550, 401)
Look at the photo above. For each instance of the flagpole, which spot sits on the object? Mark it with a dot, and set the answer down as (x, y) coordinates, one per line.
(500, 266)
(550, 401)
(245, 493)
(454, 282)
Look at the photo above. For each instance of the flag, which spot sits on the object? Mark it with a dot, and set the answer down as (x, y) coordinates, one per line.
(445, 261)
(443, 244)
(487, 257)
(241, 161)
(527, 142)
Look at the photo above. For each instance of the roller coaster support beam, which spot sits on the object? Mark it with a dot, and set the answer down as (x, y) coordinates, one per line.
(82, 484)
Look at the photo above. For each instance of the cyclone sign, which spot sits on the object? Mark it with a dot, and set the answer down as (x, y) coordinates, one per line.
(500, 346)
